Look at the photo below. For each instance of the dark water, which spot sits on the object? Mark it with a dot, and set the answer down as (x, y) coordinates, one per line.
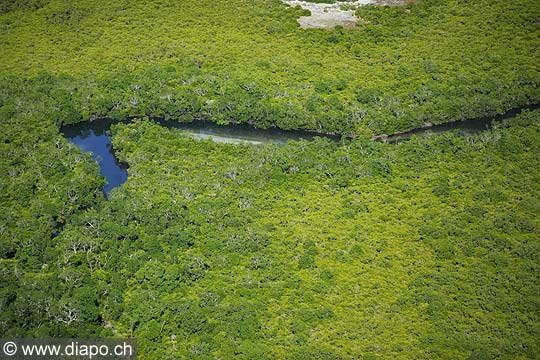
(240, 133)
(465, 127)
(92, 137)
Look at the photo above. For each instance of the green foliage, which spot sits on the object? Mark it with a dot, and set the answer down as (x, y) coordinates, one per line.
(249, 62)
(21, 5)
(425, 249)
(216, 250)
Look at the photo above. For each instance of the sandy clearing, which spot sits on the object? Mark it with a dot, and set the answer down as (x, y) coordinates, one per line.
(327, 16)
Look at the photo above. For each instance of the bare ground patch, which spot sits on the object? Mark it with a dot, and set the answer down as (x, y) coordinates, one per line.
(327, 16)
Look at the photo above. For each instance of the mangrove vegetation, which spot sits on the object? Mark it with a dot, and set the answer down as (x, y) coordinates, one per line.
(310, 249)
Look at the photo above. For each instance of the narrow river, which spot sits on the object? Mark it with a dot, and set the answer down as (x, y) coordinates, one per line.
(92, 137)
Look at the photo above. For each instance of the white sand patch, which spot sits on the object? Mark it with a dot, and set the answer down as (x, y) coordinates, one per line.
(327, 16)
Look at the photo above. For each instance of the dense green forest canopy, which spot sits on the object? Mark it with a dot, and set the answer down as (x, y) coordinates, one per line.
(426, 249)
(311, 250)
(249, 61)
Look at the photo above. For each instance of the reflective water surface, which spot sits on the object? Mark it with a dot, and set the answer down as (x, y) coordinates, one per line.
(91, 136)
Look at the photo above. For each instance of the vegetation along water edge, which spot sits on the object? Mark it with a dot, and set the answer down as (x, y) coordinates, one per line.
(353, 249)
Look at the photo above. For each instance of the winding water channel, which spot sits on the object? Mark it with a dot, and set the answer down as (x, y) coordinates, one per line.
(92, 136)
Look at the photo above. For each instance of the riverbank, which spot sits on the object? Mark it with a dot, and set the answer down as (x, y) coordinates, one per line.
(93, 136)
(466, 125)
(397, 71)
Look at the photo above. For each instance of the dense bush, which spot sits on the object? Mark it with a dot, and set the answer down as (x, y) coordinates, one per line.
(425, 249)
(249, 62)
